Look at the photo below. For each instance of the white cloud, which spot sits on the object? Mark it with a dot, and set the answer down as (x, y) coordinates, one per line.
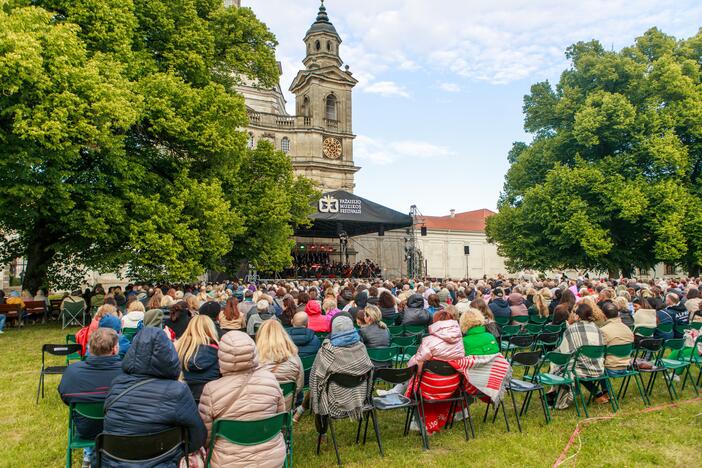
(496, 42)
(380, 152)
(449, 87)
(386, 88)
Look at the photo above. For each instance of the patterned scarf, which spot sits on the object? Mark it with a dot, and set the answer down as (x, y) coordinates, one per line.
(487, 374)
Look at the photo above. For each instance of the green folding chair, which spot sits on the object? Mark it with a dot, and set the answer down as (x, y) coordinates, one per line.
(651, 350)
(93, 411)
(665, 327)
(593, 352)
(645, 332)
(566, 362)
(695, 359)
(402, 341)
(415, 329)
(250, 433)
(71, 339)
(396, 330)
(537, 319)
(676, 345)
(532, 328)
(129, 333)
(502, 321)
(696, 325)
(627, 351)
(289, 390)
(403, 357)
(520, 319)
(322, 335)
(552, 328)
(307, 362)
(383, 357)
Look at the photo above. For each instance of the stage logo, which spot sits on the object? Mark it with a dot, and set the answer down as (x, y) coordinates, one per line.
(328, 204)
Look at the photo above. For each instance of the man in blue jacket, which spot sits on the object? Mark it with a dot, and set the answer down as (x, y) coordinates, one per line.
(304, 338)
(148, 397)
(89, 381)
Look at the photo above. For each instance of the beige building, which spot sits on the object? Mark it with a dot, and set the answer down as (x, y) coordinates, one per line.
(319, 137)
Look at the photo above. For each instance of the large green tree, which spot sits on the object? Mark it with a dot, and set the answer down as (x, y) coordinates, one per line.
(613, 177)
(119, 140)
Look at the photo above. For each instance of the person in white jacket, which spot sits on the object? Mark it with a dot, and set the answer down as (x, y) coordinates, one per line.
(134, 315)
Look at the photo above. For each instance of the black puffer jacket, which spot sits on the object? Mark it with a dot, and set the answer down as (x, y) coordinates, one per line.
(500, 308)
(374, 336)
(414, 313)
(203, 367)
(160, 404)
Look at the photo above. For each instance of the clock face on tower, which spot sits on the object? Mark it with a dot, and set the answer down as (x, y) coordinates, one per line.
(331, 148)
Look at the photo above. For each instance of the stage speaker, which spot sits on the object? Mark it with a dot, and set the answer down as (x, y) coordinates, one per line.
(381, 230)
(466, 249)
(423, 230)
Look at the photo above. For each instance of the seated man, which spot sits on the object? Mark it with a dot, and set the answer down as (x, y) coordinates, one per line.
(304, 338)
(148, 398)
(89, 381)
(677, 312)
(614, 332)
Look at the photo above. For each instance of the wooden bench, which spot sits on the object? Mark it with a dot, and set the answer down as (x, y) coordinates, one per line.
(11, 312)
(35, 309)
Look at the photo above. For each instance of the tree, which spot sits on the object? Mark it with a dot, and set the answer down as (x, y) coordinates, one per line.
(612, 179)
(118, 138)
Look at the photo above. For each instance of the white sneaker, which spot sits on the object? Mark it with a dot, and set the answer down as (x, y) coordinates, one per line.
(676, 378)
(414, 426)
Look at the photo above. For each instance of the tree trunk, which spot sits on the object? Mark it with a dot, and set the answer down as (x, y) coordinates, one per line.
(693, 271)
(627, 271)
(613, 273)
(39, 257)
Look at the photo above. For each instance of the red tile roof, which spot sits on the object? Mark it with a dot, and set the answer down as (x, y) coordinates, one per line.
(467, 221)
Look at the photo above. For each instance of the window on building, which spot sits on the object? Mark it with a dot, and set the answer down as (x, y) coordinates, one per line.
(285, 145)
(329, 46)
(331, 107)
(317, 45)
(306, 107)
(251, 141)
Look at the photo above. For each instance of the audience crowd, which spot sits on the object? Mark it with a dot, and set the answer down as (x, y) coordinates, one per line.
(166, 356)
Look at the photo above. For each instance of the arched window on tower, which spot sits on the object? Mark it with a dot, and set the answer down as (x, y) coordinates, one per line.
(251, 141)
(285, 145)
(331, 108)
(305, 107)
(317, 45)
(329, 46)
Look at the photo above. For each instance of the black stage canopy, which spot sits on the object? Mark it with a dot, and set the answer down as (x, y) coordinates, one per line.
(343, 212)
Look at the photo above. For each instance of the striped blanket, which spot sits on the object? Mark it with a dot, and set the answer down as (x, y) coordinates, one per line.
(487, 375)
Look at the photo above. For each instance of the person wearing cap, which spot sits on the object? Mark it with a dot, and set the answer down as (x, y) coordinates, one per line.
(112, 322)
(498, 305)
(261, 314)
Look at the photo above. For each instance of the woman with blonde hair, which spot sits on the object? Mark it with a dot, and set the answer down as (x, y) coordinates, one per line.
(197, 351)
(134, 315)
(374, 332)
(155, 301)
(597, 315)
(278, 354)
(542, 300)
(477, 340)
(166, 301)
(193, 305)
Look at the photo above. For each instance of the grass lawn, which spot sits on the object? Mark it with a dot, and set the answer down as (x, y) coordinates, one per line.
(35, 435)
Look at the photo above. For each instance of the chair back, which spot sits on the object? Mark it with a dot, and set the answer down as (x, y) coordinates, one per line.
(559, 359)
(60, 349)
(696, 325)
(674, 344)
(591, 351)
(521, 319)
(141, 448)
(129, 333)
(288, 388)
(526, 359)
(620, 351)
(348, 380)
(665, 327)
(248, 433)
(383, 355)
(533, 328)
(307, 361)
(521, 341)
(644, 331)
(502, 321)
(651, 344)
(395, 376)
(396, 330)
(509, 330)
(414, 329)
(402, 341)
(548, 338)
(442, 368)
(538, 319)
(74, 307)
(34, 307)
(552, 328)
(90, 410)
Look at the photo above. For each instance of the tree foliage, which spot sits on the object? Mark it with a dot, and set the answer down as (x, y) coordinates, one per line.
(613, 177)
(119, 145)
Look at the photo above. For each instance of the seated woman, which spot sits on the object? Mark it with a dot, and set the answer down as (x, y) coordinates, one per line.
(148, 398)
(477, 340)
(444, 343)
(278, 354)
(342, 353)
(583, 331)
(388, 306)
(231, 318)
(134, 315)
(374, 333)
(197, 351)
(245, 391)
(178, 318)
(490, 324)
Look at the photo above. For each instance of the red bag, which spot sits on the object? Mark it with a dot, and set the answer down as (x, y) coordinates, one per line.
(82, 340)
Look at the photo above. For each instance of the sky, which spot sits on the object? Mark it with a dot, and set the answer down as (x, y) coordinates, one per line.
(441, 83)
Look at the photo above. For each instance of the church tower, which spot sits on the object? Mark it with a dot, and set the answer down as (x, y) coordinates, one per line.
(323, 106)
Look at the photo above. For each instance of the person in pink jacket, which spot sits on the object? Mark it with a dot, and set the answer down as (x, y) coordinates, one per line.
(444, 343)
(316, 321)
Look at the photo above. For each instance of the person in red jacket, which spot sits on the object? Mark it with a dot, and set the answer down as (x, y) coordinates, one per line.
(316, 321)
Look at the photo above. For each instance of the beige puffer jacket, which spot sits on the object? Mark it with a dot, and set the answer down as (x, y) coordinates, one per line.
(288, 371)
(225, 398)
